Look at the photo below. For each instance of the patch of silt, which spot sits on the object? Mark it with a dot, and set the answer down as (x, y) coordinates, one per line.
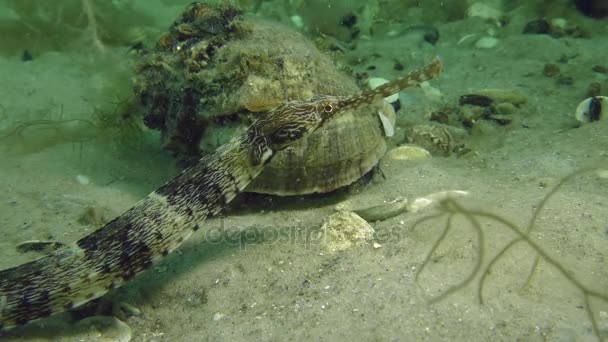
(217, 69)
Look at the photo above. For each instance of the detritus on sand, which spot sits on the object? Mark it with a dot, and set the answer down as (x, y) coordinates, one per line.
(450, 209)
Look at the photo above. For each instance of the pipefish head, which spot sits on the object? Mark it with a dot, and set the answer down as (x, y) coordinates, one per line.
(294, 120)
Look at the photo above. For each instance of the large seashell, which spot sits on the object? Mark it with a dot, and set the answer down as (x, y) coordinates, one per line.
(592, 109)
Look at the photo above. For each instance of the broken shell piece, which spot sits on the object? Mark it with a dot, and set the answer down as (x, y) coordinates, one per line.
(433, 199)
(388, 118)
(383, 211)
(592, 109)
(345, 229)
(437, 139)
(408, 152)
(431, 93)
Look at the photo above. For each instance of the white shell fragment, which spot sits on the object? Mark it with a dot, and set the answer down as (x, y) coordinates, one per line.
(433, 199)
(592, 109)
(297, 21)
(92, 329)
(375, 82)
(387, 126)
(486, 42)
(408, 152)
(82, 179)
(484, 11)
(388, 118)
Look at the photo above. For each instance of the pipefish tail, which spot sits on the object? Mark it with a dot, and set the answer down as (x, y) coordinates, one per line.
(158, 224)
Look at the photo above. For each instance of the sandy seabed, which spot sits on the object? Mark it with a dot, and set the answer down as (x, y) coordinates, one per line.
(273, 279)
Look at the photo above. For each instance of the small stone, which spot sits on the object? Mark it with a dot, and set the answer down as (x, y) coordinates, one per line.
(594, 89)
(501, 119)
(565, 80)
(506, 108)
(297, 21)
(559, 23)
(218, 316)
(515, 97)
(431, 93)
(551, 70)
(440, 116)
(343, 206)
(94, 216)
(486, 43)
(344, 230)
(600, 69)
(484, 11)
(377, 245)
(98, 328)
(540, 26)
(82, 179)
(475, 100)
(436, 139)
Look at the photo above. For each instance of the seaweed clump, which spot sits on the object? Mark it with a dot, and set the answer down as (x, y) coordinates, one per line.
(36, 135)
(450, 210)
(175, 82)
(39, 26)
(216, 69)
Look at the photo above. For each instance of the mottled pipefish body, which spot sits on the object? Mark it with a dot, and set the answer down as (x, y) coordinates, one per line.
(104, 260)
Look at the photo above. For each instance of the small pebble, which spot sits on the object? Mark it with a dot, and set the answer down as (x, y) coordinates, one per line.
(540, 26)
(475, 100)
(486, 43)
(297, 21)
(594, 89)
(506, 108)
(26, 56)
(484, 11)
(513, 96)
(218, 316)
(440, 116)
(431, 93)
(82, 179)
(600, 69)
(344, 230)
(551, 70)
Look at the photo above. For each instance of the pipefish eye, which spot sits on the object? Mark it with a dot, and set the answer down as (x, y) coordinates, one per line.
(328, 108)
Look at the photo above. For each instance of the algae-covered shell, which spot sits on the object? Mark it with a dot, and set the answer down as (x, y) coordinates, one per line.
(199, 100)
(592, 109)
